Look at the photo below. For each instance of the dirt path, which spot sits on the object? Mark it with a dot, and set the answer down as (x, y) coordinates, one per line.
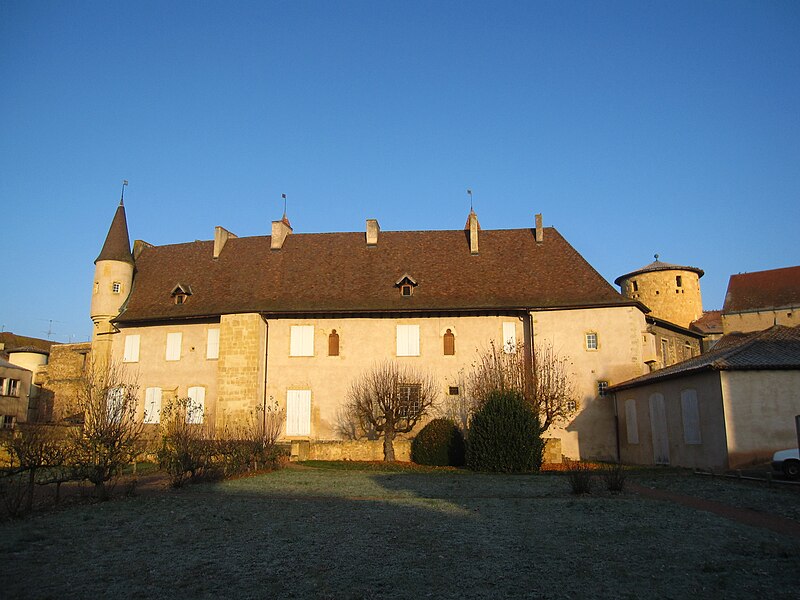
(740, 515)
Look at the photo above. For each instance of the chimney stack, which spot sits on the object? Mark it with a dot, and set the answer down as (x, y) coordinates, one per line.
(539, 230)
(280, 229)
(473, 227)
(373, 229)
(221, 237)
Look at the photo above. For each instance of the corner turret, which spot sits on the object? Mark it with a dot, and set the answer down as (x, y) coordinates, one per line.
(113, 277)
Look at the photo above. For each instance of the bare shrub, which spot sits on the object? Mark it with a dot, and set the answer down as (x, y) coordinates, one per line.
(614, 477)
(579, 475)
(187, 447)
(252, 445)
(391, 399)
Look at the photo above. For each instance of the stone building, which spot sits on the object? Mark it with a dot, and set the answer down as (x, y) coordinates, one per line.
(756, 301)
(290, 318)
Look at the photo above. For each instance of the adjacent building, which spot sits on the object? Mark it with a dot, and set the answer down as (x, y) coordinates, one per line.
(756, 301)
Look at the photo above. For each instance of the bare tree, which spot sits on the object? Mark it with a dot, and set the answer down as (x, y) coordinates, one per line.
(391, 399)
(110, 433)
(548, 385)
(350, 426)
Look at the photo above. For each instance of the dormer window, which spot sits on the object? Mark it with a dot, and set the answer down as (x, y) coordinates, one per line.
(180, 293)
(406, 284)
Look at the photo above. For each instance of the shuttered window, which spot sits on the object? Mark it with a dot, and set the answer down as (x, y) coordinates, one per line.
(152, 405)
(131, 349)
(298, 412)
(691, 417)
(115, 403)
(408, 340)
(212, 345)
(333, 344)
(174, 346)
(509, 338)
(196, 408)
(631, 424)
(449, 343)
(302, 340)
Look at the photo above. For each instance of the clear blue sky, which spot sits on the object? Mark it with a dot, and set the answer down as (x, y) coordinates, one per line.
(634, 127)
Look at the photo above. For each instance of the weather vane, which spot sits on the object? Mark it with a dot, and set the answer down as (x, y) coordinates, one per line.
(122, 195)
(469, 193)
(284, 204)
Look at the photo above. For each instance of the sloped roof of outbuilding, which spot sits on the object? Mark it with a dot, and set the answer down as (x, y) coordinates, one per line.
(338, 272)
(776, 288)
(658, 265)
(776, 348)
(7, 365)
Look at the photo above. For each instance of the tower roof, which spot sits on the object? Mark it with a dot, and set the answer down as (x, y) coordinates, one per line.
(118, 244)
(658, 265)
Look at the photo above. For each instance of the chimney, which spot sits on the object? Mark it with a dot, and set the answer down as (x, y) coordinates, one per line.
(539, 230)
(473, 227)
(373, 229)
(280, 229)
(221, 236)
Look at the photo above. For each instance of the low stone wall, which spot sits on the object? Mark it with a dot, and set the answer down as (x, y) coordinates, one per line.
(346, 450)
(552, 451)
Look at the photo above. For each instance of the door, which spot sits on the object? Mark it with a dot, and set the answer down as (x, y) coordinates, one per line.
(658, 425)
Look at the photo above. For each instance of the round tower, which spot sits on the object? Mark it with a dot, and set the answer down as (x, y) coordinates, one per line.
(113, 277)
(671, 292)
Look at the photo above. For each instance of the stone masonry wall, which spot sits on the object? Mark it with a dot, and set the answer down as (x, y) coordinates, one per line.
(240, 372)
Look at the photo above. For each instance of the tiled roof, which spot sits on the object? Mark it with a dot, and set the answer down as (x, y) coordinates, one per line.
(709, 323)
(117, 245)
(12, 341)
(776, 288)
(658, 265)
(337, 272)
(776, 348)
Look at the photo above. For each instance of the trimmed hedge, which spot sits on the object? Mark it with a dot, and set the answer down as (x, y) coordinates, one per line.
(439, 443)
(505, 436)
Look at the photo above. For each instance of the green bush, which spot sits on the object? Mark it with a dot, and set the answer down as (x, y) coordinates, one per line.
(439, 443)
(504, 435)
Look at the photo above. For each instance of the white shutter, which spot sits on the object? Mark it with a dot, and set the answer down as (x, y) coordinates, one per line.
(131, 349)
(298, 412)
(195, 410)
(212, 346)
(509, 338)
(691, 417)
(630, 421)
(408, 340)
(302, 340)
(174, 346)
(152, 405)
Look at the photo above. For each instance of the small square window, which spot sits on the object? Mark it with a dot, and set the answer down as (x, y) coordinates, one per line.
(591, 341)
(453, 390)
(8, 421)
(635, 285)
(571, 405)
(406, 290)
(602, 386)
(678, 280)
(116, 287)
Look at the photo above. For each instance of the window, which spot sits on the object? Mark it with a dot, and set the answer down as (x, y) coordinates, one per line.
(591, 341)
(571, 406)
(302, 340)
(406, 284)
(409, 403)
(298, 412)
(449, 343)
(2, 386)
(8, 421)
(152, 405)
(691, 417)
(678, 281)
(13, 387)
(115, 404)
(408, 340)
(131, 349)
(116, 287)
(196, 407)
(406, 289)
(453, 390)
(630, 421)
(212, 344)
(635, 285)
(333, 344)
(509, 338)
(174, 346)
(602, 386)
(180, 298)
(96, 287)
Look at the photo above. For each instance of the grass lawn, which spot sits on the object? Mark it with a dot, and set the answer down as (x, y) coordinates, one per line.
(361, 531)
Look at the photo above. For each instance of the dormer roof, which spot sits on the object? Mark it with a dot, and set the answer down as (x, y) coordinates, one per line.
(117, 245)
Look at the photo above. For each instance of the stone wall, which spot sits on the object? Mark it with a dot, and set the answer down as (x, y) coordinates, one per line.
(61, 379)
(240, 373)
(658, 290)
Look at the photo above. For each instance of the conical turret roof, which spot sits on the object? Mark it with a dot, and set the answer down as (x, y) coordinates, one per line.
(658, 265)
(118, 244)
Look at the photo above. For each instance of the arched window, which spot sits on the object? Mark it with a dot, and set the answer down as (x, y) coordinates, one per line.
(333, 344)
(449, 343)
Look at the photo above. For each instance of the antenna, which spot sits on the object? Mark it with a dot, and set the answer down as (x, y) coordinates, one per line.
(122, 195)
(284, 204)
(469, 193)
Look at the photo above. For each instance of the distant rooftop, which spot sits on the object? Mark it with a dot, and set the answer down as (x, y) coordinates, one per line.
(761, 290)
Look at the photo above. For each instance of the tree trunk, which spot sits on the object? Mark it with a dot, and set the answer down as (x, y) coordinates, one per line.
(388, 447)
